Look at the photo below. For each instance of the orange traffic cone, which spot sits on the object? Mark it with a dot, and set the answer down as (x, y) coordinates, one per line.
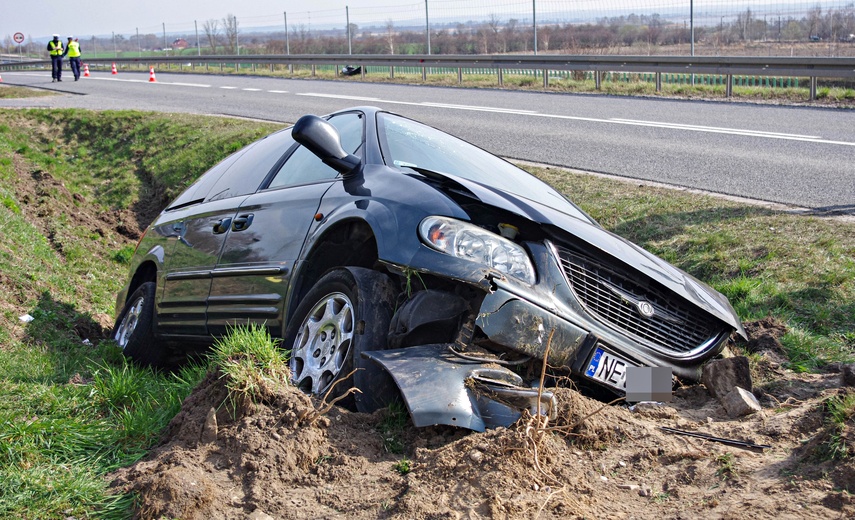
(85, 70)
(114, 71)
(151, 78)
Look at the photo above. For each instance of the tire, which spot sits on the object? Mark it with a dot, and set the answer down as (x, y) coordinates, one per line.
(135, 326)
(347, 312)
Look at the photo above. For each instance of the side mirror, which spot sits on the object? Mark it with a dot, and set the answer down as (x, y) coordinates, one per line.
(323, 140)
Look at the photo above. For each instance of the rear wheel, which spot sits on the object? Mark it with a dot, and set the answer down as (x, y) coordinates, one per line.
(346, 313)
(134, 329)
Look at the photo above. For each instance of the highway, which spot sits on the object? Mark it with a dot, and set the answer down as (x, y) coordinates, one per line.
(802, 156)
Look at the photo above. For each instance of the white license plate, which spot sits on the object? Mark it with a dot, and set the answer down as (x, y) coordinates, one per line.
(608, 369)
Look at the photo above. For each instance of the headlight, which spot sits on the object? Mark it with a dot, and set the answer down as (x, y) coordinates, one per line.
(470, 242)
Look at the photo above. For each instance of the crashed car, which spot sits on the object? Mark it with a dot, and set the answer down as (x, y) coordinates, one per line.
(396, 258)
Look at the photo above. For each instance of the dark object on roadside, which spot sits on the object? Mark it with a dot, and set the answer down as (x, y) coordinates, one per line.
(350, 71)
(444, 274)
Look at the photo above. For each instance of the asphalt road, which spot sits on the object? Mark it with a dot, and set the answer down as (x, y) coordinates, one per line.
(792, 155)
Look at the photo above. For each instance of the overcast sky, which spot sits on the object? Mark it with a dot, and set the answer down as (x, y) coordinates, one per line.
(41, 18)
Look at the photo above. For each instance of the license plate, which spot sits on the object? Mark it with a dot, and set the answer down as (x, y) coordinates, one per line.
(608, 369)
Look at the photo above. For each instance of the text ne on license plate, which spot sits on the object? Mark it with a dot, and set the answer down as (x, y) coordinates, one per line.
(608, 369)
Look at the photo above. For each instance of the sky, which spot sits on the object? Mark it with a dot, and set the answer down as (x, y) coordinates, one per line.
(39, 19)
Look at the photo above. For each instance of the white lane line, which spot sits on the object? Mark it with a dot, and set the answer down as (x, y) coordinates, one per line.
(252, 89)
(278, 91)
(229, 88)
(714, 128)
(616, 121)
(199, 85)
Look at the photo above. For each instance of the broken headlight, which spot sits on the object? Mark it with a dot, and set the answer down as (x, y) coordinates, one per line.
(470, 242)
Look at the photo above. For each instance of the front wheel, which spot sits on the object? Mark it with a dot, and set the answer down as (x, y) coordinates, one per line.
(346, 313)
(134, 329)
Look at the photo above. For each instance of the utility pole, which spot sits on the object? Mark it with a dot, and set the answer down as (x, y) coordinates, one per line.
(115, 50)
(165, 46)
(139, 43)
(427, 27)
(347, 18)
(287, 43)
(198, 47)
(534, 23)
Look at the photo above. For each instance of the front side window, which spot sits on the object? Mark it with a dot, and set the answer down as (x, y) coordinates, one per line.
(250, 169)
(304, 167)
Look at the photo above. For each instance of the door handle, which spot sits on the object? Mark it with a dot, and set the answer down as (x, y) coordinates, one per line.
(242, 222)
(222, 226)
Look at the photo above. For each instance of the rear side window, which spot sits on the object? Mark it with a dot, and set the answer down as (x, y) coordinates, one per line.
(197, 191)
(247, 172)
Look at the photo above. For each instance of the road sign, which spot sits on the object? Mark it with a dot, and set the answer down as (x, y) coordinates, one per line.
(19, 37)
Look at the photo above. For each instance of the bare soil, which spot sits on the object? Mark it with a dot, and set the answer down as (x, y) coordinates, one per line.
(594, 461)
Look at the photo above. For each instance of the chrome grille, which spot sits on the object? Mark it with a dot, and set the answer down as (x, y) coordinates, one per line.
(618, 300)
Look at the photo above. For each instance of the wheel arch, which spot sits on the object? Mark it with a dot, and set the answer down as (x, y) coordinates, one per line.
(350, 242)
(146, 272)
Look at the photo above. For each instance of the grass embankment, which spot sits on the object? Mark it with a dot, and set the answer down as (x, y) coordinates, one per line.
(70, 408)
(13, 92)
(75, 184)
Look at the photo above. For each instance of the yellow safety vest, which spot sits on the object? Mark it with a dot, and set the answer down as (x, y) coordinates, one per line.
(55, 48)
(73, 50)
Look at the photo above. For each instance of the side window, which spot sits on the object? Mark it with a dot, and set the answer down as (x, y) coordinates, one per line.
(246, 174)
(304, 167)
(197, 191)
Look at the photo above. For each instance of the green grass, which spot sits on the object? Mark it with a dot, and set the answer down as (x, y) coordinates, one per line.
(12, 92)
(839, 411)
(71, 412)
(251, 363)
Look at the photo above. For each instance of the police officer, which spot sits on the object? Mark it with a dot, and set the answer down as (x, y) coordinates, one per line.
(72, 50)
(55, 50)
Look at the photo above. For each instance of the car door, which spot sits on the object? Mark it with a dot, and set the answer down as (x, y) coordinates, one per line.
(201, 228)
(253, 275)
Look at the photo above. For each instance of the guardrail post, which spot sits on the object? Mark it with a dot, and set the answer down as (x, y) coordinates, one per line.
(271, 67)
(545, 78)
(313, 70)
(221, 67)
(362, 72)
(658, 82)
(424, 73)
(598, 79)
(728, 87)
(813, 88)
(392, 72)
(501, 78)
(459, 75)
(291, 69)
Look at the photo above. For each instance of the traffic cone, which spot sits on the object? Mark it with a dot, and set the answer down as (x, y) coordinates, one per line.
(151, 78)
(114, 71)
(85, 70)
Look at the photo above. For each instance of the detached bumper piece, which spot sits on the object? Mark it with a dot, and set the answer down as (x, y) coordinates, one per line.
(442, 388)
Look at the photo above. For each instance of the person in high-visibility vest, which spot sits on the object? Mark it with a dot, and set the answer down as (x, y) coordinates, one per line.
(72, 50)
(55, 50)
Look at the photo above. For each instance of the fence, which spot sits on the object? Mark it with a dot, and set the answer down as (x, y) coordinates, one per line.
(725, 67)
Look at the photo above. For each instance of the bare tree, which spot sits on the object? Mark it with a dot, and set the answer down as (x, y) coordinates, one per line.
(230, 28)
(390, 35)
(212, 31)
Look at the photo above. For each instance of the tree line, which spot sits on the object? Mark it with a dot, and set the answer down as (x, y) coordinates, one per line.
(646, 34)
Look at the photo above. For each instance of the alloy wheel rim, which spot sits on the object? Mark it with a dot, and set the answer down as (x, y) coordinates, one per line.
(322, 344)
(129, 323)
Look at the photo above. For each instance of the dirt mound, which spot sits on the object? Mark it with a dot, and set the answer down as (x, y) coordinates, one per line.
(279, 459)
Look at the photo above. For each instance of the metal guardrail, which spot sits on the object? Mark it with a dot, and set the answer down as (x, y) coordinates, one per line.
(810, 67)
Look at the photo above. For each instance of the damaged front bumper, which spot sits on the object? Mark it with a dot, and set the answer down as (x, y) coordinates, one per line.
(440, 387)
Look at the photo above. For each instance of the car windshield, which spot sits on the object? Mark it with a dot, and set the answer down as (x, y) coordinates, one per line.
(408, 144)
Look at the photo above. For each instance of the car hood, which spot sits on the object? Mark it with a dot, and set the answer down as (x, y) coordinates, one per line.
(585, 229)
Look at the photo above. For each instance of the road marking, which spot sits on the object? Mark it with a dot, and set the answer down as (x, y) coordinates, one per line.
(252, 89)
(616, 121)
(199, 85)
(229, 88)
(278, 91)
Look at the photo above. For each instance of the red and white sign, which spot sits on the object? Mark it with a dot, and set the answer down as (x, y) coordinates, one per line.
(19, 37)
